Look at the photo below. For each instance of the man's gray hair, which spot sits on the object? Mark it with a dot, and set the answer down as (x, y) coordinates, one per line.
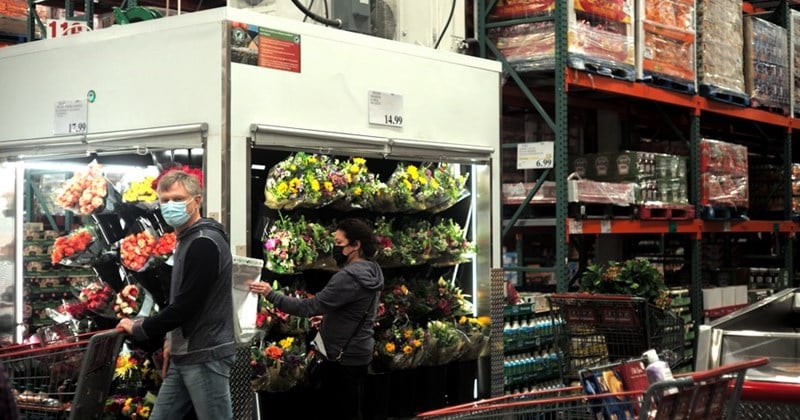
(189, 182)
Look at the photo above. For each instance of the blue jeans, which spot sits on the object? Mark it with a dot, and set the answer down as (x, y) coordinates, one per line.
(206, 386)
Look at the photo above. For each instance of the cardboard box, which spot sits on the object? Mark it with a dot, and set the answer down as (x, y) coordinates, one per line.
(712, 298)
(741, 295)
(728, 296)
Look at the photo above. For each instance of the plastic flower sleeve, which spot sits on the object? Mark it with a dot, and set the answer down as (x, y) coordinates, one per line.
(88, 192)
(81, 248)
(304, 180)
(136, 249)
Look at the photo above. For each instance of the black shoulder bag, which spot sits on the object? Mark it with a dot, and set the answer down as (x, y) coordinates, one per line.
(316, 359)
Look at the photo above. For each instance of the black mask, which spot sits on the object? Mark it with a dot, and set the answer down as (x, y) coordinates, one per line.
(338, 255)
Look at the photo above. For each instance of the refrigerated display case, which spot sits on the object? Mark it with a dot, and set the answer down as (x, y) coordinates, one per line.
(768, 328)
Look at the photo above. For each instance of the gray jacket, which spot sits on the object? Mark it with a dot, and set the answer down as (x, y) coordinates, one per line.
(348, 296)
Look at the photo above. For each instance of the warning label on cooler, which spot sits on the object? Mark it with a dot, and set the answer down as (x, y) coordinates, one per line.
(279, 50)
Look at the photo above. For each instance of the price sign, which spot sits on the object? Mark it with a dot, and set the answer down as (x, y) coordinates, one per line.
(535, 155)
(58, 28)
(70, 117)
(385, 109)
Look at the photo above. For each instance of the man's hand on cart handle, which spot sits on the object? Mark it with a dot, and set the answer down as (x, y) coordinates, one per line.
(126, 325)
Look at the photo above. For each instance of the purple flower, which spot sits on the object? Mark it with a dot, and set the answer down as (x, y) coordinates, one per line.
(271, 244)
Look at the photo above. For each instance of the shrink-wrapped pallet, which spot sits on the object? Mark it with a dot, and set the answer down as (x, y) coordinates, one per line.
(719, 36)
(766, 59)
(666, 38)
(600, 36)
(723, 174)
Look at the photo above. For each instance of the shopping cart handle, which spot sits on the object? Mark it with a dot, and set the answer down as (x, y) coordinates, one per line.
(774, 392)
(727, 369)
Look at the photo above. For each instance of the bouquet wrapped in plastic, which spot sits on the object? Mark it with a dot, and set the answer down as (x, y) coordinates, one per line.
(292, 245)
(446, 343)
(87, 192)
(399, 347)
(82, 247)
(273, 320)
(362, 186)
(304, 180)
(278, 366)
(388, 254)
(141, 191)
(476, 331)
(449, 242)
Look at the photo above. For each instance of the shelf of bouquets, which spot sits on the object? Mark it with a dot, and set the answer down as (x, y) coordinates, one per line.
(423, 319)
(122, 248)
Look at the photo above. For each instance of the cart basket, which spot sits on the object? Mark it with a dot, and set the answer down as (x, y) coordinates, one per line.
(600, 329)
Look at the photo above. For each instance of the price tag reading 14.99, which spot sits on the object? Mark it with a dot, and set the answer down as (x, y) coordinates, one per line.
(385, 108)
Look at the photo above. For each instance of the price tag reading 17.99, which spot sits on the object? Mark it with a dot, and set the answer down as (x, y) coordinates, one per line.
(77, 127)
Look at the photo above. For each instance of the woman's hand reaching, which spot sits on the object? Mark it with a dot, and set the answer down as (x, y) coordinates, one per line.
(260, 287)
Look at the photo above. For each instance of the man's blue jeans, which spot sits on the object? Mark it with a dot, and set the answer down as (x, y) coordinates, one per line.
(206, 386)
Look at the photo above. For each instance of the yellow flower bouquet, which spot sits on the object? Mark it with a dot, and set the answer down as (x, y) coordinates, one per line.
(304, 180)
(278, 366)
(399, 347)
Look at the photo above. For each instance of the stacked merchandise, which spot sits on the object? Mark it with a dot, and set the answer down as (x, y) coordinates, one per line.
(795, 62)
(723, 175)
(796, 188)
(600, 36)
(766, 59)
(665, 41)
(720, 50)
(651, 178)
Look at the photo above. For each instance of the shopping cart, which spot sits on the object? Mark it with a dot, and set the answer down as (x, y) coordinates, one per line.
(712, 394)
(600, 329)
(65, 379)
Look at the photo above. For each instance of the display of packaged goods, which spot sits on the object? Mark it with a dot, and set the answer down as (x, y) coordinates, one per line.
(719, 157)
(795, 64)
(522, 8)
(668, 51)
(720, 45)
(670, 166)
(528, 46)
(531, 46)
(602, 40)
(579, 165)
(766, 59)
(671, 191)
(515, 193)
(724, 190)
(677, 14)
(587, 191)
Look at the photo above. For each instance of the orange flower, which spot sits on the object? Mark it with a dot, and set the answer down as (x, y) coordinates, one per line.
(136, 249)
(389, 347)
(274, 352)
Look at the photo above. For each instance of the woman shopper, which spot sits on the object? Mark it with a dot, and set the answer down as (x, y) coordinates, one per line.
(348, 304)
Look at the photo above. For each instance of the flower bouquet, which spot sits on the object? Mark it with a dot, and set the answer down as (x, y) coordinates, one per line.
(412, 240)
(141, 191)
(82, 247)
(636, 277)
(136, 249)
(361, 186)
(399, 347)
(449, 188)
(304, 180)
(88, 191)
(388, 254)
(185, 168)
(293, 245)
(476, 331)
(404, 191)
(165, 246)
(442, 300)
(128, 302)
(134, 373)
(97, 296)
(121, 406)
(272, 319)
(446, 343)
(449, 242)
(395, 303)
(278, 367)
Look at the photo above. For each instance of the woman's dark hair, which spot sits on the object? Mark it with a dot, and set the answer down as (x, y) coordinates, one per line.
(358, 230)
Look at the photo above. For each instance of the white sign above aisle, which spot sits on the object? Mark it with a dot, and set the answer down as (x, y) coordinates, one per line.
(385, 109)
(70, 117)
(537, 155)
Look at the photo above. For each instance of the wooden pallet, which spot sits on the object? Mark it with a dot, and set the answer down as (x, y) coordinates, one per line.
(602, 67)
(670, 83)
(667, 212)
(602, 211)
(723, 213)
(724, 95)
